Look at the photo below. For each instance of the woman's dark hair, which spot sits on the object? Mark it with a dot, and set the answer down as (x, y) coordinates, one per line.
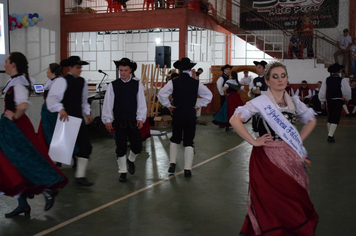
(56, 69)
(234, 76)
(21, 65)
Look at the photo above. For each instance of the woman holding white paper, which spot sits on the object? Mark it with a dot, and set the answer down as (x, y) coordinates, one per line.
(25, 167)
(278, 185)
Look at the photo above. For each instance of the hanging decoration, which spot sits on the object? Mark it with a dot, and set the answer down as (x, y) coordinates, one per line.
(17, 21)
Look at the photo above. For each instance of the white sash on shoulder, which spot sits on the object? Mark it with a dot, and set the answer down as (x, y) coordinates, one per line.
(279, 123)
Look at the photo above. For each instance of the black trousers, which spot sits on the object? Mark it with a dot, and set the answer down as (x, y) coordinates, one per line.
(127, 130)
(335, 108)
(183, 128)
(83, 141)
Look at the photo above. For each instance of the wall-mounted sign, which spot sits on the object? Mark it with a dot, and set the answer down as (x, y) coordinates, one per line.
(288, 14)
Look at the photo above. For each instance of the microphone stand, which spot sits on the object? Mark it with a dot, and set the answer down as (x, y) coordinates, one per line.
(99, 87)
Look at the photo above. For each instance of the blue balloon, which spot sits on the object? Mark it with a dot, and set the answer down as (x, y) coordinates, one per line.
(18, 19)
(14, 15)
(35, 15)
(13, 23)
(25, 14)
(40, 18)
(31, 23)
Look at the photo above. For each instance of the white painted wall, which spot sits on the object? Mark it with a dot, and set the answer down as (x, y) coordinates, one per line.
(39, 43)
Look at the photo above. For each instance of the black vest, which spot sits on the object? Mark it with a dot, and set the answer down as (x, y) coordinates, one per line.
(185, 93)
(353, 94)
(125, 101)
(225, 77)
(10, 100)
(264, 128)
(72, 99)
(333, 84)
(260, 79)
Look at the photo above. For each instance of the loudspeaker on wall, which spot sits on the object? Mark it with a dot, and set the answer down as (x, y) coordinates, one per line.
(163, 56)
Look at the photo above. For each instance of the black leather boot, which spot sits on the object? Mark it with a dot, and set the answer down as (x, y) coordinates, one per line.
(49, 197)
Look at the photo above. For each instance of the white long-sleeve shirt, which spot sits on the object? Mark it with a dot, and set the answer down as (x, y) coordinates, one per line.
(219, 85)
(308, 96)
(108, 106)
(167, 90)
(56, 93)
(345, 89)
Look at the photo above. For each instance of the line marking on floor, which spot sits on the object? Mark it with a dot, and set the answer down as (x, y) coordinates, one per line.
(61, 225)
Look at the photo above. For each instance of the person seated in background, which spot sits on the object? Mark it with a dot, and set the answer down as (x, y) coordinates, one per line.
(169, 75)
(295, 45)
(307, 37)
(353, 58)
(246, 80)
(289, 90)
(352, 103)
(344, 43)
(194, 75)
(304, 93)
(198, 73)
(315, 102)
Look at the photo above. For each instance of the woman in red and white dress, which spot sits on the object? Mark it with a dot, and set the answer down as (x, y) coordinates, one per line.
(278, 187)
(25, 167)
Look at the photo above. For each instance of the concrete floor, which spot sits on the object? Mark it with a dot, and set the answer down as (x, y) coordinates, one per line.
(211, 203)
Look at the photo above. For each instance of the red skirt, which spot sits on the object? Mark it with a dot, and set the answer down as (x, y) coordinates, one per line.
(233, 101)
(145, 130)
(279, 205)
(11, 181)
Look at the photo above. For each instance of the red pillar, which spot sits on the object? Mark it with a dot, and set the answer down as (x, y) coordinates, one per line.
(352, 23)
(183, 41)
(228, 37)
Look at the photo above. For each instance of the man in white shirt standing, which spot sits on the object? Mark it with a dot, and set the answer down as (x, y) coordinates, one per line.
(246, 80)
(185, 91)
(332, 91)
(344, 43)
(69, 97)
(125, 102)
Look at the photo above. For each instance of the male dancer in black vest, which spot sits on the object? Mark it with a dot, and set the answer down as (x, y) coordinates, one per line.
(334, 89)
(257, 87)
(221, 82)
(69, 97)
(184, 90)
(125, 103)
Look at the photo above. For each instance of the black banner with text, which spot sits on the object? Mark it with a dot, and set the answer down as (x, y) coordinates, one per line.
(288, 14)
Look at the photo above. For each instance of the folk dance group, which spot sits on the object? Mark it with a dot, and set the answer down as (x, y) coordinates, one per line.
(278, 188)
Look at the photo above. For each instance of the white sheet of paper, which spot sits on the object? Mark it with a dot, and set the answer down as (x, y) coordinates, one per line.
(63, 139)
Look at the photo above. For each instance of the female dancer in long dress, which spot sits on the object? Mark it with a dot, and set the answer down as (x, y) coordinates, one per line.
(231, 89)
(48, 119)
(25, 167)
(279, 197)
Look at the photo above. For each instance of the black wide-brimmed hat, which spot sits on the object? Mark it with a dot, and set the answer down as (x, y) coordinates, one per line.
(262, 63)
(184, 64)
(226, 66)
(72, 61)
(335, 68)
(126, 62)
